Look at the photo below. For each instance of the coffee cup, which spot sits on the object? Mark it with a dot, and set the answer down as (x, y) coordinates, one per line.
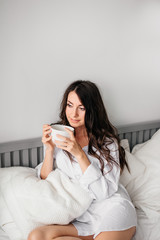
(60, 129)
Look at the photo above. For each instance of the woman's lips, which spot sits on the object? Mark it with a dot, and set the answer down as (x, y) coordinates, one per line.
(74, 120)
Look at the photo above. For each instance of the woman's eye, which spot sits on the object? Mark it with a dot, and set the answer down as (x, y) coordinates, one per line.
(69, 105)
(82, 108)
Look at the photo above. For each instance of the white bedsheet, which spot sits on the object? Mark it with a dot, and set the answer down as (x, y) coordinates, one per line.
(143, 185)
(3, 235)
(147, 228)
(27, 202)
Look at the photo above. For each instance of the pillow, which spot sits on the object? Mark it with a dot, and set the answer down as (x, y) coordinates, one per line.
(125, 144)
(143, 181)
(137, 147)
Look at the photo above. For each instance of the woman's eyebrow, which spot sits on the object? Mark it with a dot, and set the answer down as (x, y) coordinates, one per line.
(69, 102)
(72, 103)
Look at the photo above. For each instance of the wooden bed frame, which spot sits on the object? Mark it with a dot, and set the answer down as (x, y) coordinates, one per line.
(29, 152)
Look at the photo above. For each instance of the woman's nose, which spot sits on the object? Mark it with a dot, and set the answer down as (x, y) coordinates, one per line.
(75, 112)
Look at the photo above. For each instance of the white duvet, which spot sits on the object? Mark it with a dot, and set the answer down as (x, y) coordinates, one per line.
(27, 202)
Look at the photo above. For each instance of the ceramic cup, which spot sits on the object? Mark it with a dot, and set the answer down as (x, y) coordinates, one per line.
(60, 129)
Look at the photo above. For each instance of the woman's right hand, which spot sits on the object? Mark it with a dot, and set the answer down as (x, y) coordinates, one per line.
(47, 138)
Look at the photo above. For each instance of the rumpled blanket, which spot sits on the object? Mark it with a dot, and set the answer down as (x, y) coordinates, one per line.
(29, 202)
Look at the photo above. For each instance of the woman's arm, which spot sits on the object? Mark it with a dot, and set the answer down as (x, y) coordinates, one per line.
(47, 165)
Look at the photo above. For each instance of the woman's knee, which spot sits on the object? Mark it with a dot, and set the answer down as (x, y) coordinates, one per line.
(48, 232)
(37, 234)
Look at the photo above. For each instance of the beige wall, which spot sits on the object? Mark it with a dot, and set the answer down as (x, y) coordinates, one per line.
(46, 44)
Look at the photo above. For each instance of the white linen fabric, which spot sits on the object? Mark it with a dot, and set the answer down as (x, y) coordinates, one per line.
(143, 186)
(111, 208)
(3, 235)
(147, 227)
(27, 202)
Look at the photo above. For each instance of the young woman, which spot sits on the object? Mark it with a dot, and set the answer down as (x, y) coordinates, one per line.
(92, 155)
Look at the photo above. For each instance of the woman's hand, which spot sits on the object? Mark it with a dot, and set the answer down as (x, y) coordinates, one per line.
(69, 144)
(47, 138)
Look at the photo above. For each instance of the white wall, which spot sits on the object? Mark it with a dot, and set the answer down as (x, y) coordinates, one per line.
(46, 44)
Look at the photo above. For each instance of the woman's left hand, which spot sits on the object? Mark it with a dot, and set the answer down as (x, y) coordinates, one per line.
(69, 144)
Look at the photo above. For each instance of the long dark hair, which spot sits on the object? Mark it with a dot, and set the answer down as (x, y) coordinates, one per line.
(100, 131)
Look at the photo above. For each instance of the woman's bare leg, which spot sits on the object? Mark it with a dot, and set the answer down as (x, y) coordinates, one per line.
(117, 235)
(67, 238)
(69, 232)
(51, 232)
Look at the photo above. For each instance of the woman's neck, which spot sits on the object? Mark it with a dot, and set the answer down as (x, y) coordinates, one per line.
(81, 132)
(81, 136)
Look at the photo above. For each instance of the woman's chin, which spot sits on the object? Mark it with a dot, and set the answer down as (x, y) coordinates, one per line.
(75, 124)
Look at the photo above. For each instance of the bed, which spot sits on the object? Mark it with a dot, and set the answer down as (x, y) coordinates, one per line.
(142, 146)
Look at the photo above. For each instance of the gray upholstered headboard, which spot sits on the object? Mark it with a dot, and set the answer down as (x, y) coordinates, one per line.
(138, 133)
(29, 152)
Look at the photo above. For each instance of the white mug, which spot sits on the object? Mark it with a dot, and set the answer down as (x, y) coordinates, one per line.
(60, 129)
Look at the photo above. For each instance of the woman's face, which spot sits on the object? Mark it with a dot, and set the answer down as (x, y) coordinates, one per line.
(75, 111)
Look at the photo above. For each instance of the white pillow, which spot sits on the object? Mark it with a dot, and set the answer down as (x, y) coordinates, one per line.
(125, 144)
(137, 147)
(143, 181)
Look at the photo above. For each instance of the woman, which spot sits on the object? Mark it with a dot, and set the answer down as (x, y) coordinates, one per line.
(92, 155)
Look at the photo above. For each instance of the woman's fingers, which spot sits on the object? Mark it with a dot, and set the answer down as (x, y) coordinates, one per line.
(46, 129)
(46, 126)
(71, 133)
(46, 133)
(62, 137)
(46, 139)
(58, 142)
